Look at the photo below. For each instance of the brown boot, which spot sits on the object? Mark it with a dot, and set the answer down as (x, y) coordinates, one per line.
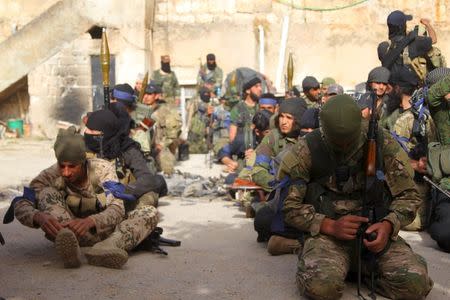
(68, 249)
(107, 254)
(279, 245)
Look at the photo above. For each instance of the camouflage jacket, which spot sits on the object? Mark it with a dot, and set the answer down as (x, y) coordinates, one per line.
(167, 125)
(242, 115)
(204, 74)
(297, 164)
(99, 172)
(168, 82)
(440, 108)
(403, 128)
(264, 170)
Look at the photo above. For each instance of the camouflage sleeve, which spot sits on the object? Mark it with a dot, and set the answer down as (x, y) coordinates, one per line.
(24, 210)
(399, 178)
(296, 164)
(219, 77)
(261, 170)
(234, 115)
(403, 128)
(101, 171)
(436, 94)
(176, 86)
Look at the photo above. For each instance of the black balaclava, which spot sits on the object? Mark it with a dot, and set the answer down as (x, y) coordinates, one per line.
(205, 95)
(165, 66)
(114, 139)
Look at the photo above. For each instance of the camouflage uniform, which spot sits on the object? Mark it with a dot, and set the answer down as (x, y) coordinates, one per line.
(221, 127)
(242, 116)
(65, 203)
(325, 261)
(205, 75)
(197, 123)
(167, 132)
(169, 85)
(440, 111)
(263, 171)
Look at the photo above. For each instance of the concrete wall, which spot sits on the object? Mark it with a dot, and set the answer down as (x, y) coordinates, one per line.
(340, 43)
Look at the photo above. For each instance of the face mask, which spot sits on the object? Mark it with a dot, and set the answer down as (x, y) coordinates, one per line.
(94, 142)
(205, 97)
(212, 66)
(165, 67)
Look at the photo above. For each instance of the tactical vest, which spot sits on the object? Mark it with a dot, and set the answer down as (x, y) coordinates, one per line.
(421, 65)
(348, 180)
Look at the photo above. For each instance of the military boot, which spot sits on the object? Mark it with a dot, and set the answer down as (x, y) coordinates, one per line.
(107, 253)
(279, 245)
(68, 249)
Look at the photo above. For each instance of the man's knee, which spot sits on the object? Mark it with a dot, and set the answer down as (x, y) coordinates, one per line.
(411, 285)
(321, 287)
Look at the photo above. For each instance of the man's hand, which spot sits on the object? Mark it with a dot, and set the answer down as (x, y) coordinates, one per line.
(383, 230)
(425, 21)
(232, 166)
(249, 153)
(447, 97)
(80, 226)
(420, 165)
(48, 223)
(344, 228)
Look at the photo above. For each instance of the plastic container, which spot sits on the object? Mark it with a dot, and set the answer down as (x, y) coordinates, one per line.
(16, 125)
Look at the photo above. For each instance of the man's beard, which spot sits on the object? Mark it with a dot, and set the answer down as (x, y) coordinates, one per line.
(393, 102)
(165, 67)
(254, 97)
(212, 66)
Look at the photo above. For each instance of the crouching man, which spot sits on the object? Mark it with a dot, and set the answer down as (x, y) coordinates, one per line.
(79, 202)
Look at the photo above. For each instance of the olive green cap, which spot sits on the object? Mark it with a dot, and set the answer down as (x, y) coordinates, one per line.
(340, 120)
(327, 81)
(69, 146)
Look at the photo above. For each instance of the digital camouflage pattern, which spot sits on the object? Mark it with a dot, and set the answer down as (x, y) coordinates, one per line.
(324, 263)
(169, 85)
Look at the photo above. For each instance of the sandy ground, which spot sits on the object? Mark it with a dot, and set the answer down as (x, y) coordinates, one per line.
(218, 259)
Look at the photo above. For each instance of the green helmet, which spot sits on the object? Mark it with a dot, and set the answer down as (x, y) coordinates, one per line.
(340, 121)
(327, 81)
(69, 146)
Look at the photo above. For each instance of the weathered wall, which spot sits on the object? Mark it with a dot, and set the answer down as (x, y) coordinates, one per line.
(338, 43)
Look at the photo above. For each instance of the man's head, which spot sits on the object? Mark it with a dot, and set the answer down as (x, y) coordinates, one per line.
(70, 151)
(252, 88)
(396, 22)
(311, 88)
(205, 94)
(436, 75)
(261, 123)
(378, 80)
(101, 128)
(325, 83)
(403, 82)
(309, 120)
(124, 94)
(138, 83)
(340, 122)
(268, 102)
(290, 113)
(165, 63)
(211, 61)
(152, 93)
(332, 90)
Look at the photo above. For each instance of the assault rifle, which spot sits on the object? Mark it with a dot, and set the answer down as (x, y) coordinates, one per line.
(154, 240)
(372, 194)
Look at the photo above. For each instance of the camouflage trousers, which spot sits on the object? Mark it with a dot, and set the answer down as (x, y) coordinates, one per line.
(421, 220)
(324, 263)
(137, 225)
(166, 161)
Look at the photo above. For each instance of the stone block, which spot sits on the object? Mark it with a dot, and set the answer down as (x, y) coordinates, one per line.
(182, 6)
